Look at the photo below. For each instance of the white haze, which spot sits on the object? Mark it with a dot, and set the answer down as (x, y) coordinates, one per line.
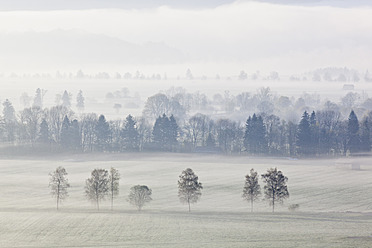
(225, 39)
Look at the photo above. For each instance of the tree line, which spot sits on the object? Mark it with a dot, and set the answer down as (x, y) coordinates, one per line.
(59, 129)
(103, 184)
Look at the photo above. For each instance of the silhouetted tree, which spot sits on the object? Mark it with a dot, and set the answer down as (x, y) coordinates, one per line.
(114, 178)
(255, 135)
(304, 135)
(97, 186)
(252, 189)
(59, 184)
(365, 136)
(276, 186)
(80, 101)
(353, 138)
(102, 132)
(130, 135)
(189, 187)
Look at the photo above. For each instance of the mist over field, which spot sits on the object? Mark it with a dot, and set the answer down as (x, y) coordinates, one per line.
(215, 123)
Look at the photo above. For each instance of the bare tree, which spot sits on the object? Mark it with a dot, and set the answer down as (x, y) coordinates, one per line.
(139, 195)
(114, 178)
(276, 186)
(59, 183)
(97, 186)
(189, 187)
(252, 189)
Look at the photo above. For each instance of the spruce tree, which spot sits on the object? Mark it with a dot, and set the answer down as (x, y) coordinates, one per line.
(65, 133)
(102, 133)
(365, 136)
(80, 101)
(353, 138)
(130, 136)
(304, 135)
(44, 135)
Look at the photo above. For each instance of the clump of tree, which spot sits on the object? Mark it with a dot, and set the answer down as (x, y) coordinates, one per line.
(252, 189)
(58, 184)
(189, 187)
(139, 195)
(97, 186)
(276, 186)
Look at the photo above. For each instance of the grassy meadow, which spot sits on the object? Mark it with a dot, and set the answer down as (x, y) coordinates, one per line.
(335, 204)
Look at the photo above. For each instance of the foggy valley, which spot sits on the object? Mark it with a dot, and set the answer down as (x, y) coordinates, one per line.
(220, 123)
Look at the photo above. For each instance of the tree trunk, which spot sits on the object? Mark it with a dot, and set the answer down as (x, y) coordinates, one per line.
(252, 205)
(189, 205)
(57, 195)
(273, 202)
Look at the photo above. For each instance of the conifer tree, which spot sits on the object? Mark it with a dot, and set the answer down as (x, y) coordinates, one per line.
(304, 135)
(353, 138)
(102, 132)
(365, 136)
(130, 136)
(80, 101)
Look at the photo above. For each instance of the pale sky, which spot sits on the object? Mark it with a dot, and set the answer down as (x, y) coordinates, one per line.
(254, 35)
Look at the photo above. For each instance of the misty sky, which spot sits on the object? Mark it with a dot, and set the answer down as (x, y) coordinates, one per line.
(253, 35)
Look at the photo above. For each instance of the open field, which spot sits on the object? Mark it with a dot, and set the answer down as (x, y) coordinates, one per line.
(335, 204)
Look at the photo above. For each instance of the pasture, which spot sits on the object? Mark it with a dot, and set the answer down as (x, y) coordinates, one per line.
(335, 204)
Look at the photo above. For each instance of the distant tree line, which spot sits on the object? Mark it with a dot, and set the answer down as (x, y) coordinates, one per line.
(165, 126)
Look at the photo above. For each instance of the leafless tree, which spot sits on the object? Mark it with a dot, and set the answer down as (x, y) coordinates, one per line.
(139, 195)
(97, 186)
(252, 189)
(114, 178)
(189, 187)
(59, 184)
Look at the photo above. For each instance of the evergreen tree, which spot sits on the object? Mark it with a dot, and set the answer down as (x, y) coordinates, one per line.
(80, 101)
(66, 99)
(9, 120)
(314, 134)
(65, 133)
(211, 142)
(102, 132)
(255, 135)
(44, 136)
(75, 135)
(353, 138)
(38, 100)
(365, 136)
(130, 139)
(304, 135)
(252, 189)
(8, 111)
(165, 133)
(172, 133)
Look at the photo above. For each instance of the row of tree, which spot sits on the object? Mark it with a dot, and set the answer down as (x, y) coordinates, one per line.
(103, 183)
(58, 129)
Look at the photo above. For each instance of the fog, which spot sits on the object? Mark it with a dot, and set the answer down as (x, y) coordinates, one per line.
(223, 38)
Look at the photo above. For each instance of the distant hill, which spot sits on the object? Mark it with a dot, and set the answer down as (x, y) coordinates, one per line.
(77, 47)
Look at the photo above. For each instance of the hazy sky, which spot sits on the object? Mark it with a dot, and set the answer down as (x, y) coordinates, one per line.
(254, 35)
